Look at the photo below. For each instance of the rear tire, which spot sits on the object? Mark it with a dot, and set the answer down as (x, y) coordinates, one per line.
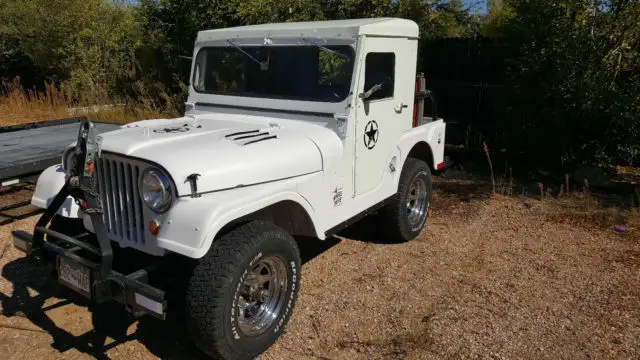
(406, 216)
(250, 272)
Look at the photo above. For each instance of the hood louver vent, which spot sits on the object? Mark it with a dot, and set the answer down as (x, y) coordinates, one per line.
(261, 139)
(250, 137)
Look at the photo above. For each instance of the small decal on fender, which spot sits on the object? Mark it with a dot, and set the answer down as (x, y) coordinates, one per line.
(337, 197)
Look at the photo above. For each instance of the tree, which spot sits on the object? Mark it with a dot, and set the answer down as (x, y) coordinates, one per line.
(267, 11)
(354, 9)
(88, 44)
(436, 18)
(498, 14)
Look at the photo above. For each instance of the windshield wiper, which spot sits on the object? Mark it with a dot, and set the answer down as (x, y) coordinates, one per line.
(324, 48)
(263, 64)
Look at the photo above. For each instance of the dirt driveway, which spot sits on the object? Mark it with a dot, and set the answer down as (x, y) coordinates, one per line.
(489, 279)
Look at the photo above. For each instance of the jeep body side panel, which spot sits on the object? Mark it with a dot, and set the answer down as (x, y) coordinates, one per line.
(192, 224)
(330, 194)
(381, 120)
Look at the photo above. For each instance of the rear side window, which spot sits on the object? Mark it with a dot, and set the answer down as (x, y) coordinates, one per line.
(380, 69)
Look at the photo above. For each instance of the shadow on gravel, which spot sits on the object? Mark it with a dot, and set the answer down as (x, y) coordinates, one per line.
(24, 275)
(110, 322)
(367, 229)
(165, 339)
(310, 248)
(448, 194)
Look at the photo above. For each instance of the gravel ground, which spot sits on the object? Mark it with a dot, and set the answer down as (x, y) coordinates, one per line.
(488, 279)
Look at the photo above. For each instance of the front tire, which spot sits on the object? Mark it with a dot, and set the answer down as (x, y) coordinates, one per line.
(241, 294)
(406, 216)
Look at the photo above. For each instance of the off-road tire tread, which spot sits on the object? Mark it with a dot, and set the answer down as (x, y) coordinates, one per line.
(212, 279)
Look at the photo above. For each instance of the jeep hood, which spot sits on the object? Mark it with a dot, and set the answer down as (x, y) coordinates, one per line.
(226, 153)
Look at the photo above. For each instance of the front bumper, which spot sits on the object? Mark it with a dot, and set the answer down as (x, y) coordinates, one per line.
(131, 290)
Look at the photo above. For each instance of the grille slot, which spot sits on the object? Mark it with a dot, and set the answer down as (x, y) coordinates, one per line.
(118, 186)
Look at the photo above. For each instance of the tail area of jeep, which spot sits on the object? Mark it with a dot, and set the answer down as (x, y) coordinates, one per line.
(290, 130)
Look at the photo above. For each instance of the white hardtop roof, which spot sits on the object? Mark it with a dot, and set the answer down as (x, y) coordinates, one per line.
(392, 27)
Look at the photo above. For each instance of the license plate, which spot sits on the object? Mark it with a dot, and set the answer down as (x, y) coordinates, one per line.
(74, 275)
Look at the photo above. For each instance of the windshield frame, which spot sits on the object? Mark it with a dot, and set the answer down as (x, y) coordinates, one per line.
(274, 102)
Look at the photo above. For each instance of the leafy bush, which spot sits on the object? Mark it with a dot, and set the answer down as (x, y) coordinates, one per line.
(574, 80)
(87, 44)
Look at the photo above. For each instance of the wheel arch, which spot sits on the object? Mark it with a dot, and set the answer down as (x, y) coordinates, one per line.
(422, 151)
(415, 148)
(287, 214)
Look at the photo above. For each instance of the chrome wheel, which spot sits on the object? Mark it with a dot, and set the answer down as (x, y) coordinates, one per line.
(417, 201)
(262, 295)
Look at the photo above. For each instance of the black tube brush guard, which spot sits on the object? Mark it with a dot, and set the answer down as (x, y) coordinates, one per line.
(105, 283)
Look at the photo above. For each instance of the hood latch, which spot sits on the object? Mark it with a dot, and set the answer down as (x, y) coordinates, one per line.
(193, 180)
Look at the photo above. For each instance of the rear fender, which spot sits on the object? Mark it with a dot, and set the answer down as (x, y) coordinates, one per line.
(432, 134)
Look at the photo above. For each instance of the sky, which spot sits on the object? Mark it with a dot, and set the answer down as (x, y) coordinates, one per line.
(476, 5)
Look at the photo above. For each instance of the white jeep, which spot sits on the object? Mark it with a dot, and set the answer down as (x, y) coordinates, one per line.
(290, 129)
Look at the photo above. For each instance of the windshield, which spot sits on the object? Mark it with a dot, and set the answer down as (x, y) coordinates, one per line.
(308, 73)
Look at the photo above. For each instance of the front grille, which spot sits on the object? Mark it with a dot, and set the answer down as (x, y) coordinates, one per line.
(118, 185)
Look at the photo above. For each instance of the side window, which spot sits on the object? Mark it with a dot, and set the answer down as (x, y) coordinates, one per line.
(380, 70)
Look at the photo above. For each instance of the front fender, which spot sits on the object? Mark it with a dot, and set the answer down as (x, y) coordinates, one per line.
(49, 184)
(192, 223)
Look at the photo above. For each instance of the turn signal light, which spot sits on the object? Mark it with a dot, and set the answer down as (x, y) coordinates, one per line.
(89, 167)
(154, 227)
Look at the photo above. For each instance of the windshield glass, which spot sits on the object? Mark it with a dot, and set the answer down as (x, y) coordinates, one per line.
(308, 73)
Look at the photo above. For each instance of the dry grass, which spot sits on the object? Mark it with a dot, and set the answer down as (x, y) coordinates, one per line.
(20, 105)
(588, 211)
(580, 207)
(570, 203)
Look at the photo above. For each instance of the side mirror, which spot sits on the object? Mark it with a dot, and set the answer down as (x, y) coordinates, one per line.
(375, 88)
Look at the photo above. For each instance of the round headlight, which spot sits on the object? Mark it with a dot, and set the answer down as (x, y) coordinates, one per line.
(156, 190)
